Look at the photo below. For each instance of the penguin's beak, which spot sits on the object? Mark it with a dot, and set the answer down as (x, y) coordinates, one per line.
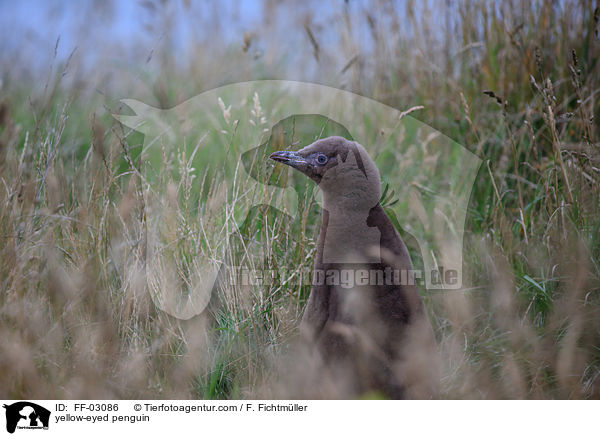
(291, 158)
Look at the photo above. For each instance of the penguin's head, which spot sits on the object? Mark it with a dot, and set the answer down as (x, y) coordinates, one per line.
(343, 170)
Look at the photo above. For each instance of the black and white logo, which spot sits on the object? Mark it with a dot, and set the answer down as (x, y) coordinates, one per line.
(26, 415)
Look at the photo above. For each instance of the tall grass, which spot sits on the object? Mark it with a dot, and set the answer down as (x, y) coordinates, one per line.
(514, 82)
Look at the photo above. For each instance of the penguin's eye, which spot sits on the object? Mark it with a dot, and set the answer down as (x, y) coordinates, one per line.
(321, 159)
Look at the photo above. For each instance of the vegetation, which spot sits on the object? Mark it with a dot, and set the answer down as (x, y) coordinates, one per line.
(515, 82)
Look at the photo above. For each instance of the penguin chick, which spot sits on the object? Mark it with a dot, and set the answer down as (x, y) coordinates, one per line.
(370, 330)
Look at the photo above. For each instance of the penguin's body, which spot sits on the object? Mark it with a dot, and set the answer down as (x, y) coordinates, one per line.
(367, 320)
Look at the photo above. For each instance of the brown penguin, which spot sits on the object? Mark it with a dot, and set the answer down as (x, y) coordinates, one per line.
(364, 317)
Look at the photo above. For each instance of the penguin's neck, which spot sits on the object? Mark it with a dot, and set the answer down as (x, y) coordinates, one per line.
(345, 235)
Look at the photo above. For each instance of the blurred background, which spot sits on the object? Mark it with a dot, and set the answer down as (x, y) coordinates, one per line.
(372, 47)
(402, 53)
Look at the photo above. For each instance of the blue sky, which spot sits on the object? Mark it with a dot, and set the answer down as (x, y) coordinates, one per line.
(118, 37)
(32, 27)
